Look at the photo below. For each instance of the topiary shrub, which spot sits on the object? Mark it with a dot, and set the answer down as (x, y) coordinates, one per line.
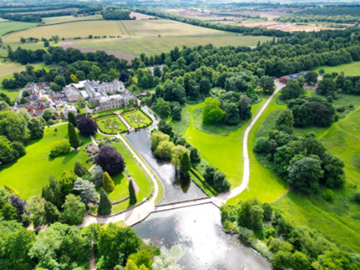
(108, 183)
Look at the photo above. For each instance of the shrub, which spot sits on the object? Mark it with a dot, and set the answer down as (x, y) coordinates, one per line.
(260, 145)
(59, 148)
(330, 99)
(328, 195)
(132, 193)
(341, 109)
(336, 117)
(357, 197)
(11, 190)
(108, 183)
(80, 170)
(351, 106)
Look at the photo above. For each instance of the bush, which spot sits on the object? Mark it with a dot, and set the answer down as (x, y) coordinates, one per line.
(341, 109)
(328, 195)
(330, 99)
(59, 148)
(260, 145)
(14, 191)
(336, 117)
(357, 197)
(351, 106)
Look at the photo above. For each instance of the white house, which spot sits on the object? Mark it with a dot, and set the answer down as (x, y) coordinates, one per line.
(68, 109)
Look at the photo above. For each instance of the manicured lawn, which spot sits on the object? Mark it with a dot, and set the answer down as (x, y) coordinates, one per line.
(351, 69)
(121, 187)
(111, 125)
(137, 119)
(14, 26)
(31, 172)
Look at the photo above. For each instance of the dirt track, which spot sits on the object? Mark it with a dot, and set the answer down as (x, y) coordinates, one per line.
(71, 44)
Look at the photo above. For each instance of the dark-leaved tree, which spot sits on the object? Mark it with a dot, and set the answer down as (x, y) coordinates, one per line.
(85, 125)
(110, 160)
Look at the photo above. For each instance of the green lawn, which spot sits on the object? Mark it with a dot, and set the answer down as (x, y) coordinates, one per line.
(122, 183)
(339, 219)
(157, 45)
(31, 172)
(14, 26)
(111, 125)
(351, 69)
(137, 119)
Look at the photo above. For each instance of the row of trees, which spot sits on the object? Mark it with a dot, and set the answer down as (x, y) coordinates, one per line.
(301, 161)
(285, 244)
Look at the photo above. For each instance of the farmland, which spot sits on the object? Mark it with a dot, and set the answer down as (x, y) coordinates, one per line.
(14, 26)
(156, 45)
(65, 19)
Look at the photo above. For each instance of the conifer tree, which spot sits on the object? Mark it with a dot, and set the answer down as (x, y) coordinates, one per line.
(71, 118)
(105, 204)
(73, 138)
(80, 169)
(108, 183)
(185, 163)
(132, 193)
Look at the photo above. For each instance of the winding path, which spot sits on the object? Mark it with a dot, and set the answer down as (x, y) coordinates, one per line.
(222, 198)
(140, 212)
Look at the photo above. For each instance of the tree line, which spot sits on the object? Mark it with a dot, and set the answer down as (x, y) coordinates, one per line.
(116, 14)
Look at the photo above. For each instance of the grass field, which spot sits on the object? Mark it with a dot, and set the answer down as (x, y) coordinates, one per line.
(69, 30)
(137, 119)
(157, 45)
(31, 172)
(352, 69)
(111, 125)
(340, 219)
(14, 26)
(27, 46)
(63, 19)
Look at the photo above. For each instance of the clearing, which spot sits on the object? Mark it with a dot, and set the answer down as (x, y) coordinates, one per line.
(352, 69)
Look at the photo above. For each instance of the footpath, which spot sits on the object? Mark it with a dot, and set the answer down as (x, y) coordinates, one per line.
(142, 211)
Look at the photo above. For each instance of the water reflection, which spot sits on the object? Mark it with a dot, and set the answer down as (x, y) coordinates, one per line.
(199, 232)
(176, 188)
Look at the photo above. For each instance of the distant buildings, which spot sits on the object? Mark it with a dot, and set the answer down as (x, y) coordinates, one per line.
(107, 95)
(67, 108)
(36, 109)
(287, 78)
(71, 93)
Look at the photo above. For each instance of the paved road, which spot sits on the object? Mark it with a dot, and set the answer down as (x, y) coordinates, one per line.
(141, 212)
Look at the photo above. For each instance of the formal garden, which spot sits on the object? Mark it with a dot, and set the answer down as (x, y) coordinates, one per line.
(137, 119)
(111, 124)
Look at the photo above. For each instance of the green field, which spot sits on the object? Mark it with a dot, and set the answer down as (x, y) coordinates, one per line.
(111, 125)
(352, 69)
(27, 46)
(157, 45)
(31, 172)
(137, 119)
(340, 219)
(121, 181)
(64, 19)
(14, 26)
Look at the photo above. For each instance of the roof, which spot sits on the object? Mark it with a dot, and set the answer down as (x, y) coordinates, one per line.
(296, 75)
(80, 84)
(84, 94)
(70, 91)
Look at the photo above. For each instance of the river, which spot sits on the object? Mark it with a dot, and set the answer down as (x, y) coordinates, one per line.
(195, 231)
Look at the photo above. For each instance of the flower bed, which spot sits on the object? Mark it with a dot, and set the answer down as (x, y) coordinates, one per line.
(137, 119)
(111, 124)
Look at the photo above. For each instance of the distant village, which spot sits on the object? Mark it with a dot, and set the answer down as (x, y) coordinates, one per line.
(95, 96)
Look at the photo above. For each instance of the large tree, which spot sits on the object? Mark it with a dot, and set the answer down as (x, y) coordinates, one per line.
(285, 118)
(333, 170)
(74, 210)
(98, 175)
(13, 126)
(212, 113)
(110, 160)
(267, 84)
(86, 191)
(326, 86)
(305, 175)
(36, 126)
(86, 125)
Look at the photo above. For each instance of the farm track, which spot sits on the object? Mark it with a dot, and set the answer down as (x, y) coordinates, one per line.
(71, 44)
